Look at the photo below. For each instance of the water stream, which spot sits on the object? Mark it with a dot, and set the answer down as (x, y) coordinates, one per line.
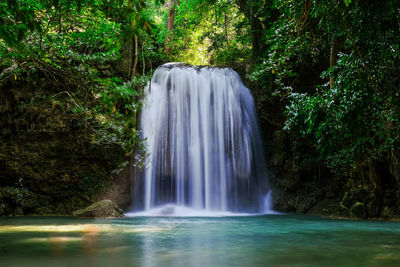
(204, 144)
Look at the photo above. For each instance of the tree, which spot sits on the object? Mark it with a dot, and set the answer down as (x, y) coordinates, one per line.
(171, 6)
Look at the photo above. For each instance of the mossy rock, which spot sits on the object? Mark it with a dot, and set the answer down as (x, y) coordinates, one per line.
(358, 210)
(103, 208)
(387, 213)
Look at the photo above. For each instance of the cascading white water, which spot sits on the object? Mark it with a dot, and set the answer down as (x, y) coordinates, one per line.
(204, 145)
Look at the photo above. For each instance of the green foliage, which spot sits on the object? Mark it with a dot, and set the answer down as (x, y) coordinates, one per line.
(117, 111)
(71, 41)
(357, 119)
(208, 32)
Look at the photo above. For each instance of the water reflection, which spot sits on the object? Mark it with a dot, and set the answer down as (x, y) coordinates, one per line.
(195, 242)
(235, 241)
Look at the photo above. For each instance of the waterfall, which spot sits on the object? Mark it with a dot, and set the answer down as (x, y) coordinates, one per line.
(203, 143)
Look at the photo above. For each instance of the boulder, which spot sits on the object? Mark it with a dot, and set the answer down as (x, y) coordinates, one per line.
(103, 208)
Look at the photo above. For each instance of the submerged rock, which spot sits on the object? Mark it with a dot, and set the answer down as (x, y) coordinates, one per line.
(103, 208)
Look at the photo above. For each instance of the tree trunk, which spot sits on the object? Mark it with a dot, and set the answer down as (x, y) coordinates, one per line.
(134, 69)
(170, 26)
(127, 58)
(256, 28)
(226, 28)
(333, 59)
(256, 32)
(143, 62)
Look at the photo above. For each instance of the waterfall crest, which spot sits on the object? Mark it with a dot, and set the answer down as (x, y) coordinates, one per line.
(203, 141)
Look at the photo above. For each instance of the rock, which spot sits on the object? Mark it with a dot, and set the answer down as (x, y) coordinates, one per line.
(289, 182)
(373, 208)
(387, 213)
(347, 200)
(306, 204)
(18, 212)
(358, 211)
(326, 206)
(103, 208)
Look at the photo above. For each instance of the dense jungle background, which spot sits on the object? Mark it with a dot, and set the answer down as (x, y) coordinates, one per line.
(325, 76)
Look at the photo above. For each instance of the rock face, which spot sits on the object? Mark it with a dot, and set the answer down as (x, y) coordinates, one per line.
(103, 208)
(49, 162)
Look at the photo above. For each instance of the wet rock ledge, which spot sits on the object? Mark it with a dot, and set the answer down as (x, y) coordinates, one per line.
(103, 208)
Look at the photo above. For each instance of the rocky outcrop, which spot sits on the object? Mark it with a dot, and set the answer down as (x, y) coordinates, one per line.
(103, 208)
(50, 163)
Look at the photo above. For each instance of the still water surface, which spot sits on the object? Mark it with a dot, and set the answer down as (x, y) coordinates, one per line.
(269, 240)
